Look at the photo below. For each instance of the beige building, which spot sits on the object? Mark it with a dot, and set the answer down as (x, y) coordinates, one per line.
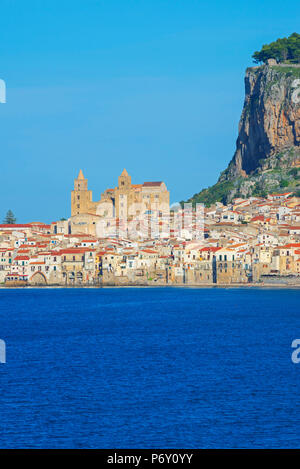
(127, 201)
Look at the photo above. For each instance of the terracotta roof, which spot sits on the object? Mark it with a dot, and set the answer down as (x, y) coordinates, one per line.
(151, 184)
(75, 250)
(210, 249)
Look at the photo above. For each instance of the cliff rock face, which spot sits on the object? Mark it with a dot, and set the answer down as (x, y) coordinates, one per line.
(270, 121)
(267, 156)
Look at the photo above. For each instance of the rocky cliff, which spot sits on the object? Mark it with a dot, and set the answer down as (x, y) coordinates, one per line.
(270, 121)
(268, 144)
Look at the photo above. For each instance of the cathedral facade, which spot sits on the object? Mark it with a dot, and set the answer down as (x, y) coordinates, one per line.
(126, 201)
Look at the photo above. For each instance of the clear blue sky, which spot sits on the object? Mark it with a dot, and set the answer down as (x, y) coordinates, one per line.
(156, 86)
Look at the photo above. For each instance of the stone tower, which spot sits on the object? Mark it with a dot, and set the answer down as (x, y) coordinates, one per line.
(81, 197)
(124, 181)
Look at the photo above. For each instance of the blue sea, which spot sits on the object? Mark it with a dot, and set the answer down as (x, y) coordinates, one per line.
(149, 368)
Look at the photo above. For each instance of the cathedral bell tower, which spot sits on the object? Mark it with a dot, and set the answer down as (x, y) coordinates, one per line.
(124, 181)
(81, 197)
(123, 194)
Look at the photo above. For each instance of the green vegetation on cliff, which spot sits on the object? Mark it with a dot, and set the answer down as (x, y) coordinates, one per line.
(290, 71)
(283, 50)
(217, 193)
(282, 178)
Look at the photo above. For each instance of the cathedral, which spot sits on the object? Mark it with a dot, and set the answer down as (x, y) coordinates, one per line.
(126, 201)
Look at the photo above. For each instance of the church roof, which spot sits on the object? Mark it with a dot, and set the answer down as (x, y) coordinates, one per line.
(124, 173)
(80, 175)
(150, 184)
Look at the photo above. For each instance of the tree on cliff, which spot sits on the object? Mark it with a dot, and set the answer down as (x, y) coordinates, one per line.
(10, 218)
(282, 50)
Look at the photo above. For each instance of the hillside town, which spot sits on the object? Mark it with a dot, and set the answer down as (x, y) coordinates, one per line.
(254, 241)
